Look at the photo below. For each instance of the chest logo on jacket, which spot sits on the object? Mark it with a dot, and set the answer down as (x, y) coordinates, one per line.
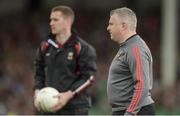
(48, 54)
(70, 55)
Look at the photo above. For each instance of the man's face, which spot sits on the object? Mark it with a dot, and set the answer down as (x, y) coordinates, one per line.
(57, 22)
(115, 28)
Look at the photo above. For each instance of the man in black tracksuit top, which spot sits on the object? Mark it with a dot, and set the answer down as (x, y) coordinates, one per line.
(65, 66)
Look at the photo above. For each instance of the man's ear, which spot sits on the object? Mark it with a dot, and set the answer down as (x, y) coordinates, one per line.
(124, 25)
(69, 21)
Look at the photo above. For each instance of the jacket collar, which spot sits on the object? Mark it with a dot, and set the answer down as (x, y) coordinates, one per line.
(71, 41)
(121, 44)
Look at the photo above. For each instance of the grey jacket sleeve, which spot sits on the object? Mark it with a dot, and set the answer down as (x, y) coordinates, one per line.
(138, 61)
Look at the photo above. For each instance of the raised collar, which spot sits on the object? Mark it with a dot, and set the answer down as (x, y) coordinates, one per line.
(71, 40)
(121, 44)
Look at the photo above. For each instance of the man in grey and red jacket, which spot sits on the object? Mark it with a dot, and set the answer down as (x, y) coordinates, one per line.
(130, 75)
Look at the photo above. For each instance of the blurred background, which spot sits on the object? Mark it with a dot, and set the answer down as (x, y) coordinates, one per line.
(24, 24)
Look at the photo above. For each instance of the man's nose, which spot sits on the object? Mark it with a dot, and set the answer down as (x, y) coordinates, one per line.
(108, 28)
(50, 23)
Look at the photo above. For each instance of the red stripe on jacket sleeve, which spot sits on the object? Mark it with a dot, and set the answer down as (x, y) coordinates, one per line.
(139, 79)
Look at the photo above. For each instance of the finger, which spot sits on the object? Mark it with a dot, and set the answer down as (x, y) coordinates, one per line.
(53, 108)
(57, 107)
(57, 96)
(38, 106)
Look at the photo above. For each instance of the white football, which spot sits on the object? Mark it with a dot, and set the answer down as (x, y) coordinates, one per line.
(45, 98)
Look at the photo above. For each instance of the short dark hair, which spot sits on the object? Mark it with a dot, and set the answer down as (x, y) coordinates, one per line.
(67, 11)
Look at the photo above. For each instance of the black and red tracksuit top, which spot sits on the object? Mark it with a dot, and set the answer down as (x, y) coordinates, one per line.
(65, 67)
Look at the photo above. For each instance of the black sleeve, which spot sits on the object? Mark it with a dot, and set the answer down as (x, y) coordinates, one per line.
(87, 63)
(39, 70)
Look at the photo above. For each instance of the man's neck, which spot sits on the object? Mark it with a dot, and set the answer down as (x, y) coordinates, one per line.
(128, 35)
(62, 38)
